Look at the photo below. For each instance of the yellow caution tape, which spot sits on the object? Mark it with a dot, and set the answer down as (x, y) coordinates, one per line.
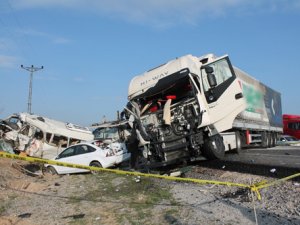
(254, 188)
(265, 185)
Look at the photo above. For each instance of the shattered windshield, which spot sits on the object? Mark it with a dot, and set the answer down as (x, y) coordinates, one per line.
(106, 133)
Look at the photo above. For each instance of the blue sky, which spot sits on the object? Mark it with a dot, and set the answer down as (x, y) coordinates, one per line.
(90, 49)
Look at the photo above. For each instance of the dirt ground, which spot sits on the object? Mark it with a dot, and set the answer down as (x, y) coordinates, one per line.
(106, 198)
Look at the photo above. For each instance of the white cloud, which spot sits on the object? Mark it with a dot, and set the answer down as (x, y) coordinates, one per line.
(8, 61)
(163, 12)
(53, 38)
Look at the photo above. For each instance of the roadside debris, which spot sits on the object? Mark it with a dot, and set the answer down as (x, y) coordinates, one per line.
(25, 215)
(76, 216)
(137, 179)
(23, 169)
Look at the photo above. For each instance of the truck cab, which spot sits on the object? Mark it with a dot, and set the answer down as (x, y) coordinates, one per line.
(181, 107)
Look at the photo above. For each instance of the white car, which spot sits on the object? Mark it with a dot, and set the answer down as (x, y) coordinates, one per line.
(287, 140)
(95, 153)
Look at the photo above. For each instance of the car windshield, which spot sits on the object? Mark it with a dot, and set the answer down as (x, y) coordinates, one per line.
(106, 133)
(290, 138)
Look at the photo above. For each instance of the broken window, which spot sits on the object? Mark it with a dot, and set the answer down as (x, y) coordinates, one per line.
(57, 140)
(106, 133)
(182, 89)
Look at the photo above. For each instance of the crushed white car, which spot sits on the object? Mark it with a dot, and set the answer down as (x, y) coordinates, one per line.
(95, 153)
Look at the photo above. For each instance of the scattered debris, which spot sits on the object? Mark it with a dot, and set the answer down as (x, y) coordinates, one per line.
(22, 169)
(76, 216)
(137, 179)
(25, 215)
(273, 170)
(176, 174)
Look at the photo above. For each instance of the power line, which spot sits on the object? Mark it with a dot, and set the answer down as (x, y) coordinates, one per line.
(31, 69)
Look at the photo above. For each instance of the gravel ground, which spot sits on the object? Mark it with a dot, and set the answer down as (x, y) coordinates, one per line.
(112, 199)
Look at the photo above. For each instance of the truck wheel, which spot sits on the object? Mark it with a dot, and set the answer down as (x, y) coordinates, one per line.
(273, 137)
(238, 140)
(265, 140)
(270, 137)
(214, 147)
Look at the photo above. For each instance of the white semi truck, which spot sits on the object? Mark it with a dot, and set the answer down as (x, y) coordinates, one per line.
(201, 106)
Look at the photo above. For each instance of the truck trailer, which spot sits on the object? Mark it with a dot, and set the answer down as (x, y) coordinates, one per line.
(201, 106)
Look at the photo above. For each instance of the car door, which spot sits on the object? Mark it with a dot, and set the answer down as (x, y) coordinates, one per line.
(78, 154)
(225, 99)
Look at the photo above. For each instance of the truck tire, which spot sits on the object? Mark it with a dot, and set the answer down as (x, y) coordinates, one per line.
(238, 141)
(270, 139)
(275, 139)
(214, 147)
(265, 140)
(273, 143)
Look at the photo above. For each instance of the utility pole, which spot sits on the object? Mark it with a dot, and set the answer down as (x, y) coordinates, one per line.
(31, 69)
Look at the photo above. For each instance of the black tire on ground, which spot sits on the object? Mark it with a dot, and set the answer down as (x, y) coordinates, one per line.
(274, 139)
(238, 141)
(214, 147)
(95, 164)
(265, 139)
(51, 170)
(270, 139)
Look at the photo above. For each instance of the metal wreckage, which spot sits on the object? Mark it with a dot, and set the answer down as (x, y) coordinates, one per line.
(201, 106)
(186, 108)
(39, 136)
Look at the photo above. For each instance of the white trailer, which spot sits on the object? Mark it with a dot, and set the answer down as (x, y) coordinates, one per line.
(193, 106)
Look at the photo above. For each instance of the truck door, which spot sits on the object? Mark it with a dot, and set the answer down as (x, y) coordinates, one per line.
(223, 95)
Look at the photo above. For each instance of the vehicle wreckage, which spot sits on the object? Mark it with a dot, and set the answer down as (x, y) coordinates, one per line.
(39, 136)
(201, 106)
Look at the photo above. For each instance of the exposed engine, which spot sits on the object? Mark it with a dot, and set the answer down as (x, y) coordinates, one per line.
(178, 140)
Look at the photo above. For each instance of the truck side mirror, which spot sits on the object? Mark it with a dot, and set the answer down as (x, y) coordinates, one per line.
(210, 76)
(208, 69)
(212, 80)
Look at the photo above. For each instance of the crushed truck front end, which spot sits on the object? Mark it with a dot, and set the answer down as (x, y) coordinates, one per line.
(177, 108)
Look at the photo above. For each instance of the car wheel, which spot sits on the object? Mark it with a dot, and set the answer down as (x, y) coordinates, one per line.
(95, 164)
(51, 170)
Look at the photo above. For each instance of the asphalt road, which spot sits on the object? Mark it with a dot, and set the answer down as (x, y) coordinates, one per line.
(283, 156)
